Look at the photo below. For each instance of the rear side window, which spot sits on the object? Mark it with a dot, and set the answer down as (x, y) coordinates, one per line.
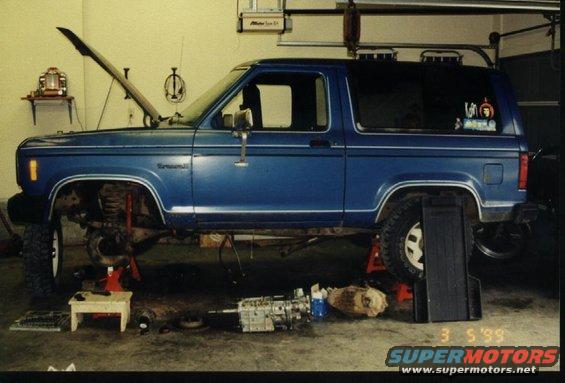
(408, 98)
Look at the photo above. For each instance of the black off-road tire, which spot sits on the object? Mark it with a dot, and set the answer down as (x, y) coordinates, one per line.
(37, 255)
(393, 236)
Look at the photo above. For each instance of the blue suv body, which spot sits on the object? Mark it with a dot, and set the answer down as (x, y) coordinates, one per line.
(326, 147)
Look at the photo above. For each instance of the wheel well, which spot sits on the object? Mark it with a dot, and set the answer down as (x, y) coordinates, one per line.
(83, 195)
(470, 203)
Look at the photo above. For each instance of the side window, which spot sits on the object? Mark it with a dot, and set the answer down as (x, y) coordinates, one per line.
(404, 98)
(460, 100)
(321, 103)
(282, 101)
(276, 106)
(388, 97)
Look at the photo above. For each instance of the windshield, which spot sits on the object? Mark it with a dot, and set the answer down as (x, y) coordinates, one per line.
(195, 110)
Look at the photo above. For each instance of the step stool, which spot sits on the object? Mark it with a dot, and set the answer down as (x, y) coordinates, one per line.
(118, 302)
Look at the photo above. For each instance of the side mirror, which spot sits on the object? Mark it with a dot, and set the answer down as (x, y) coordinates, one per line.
(227, 121)
(242, 123)
(243, 120)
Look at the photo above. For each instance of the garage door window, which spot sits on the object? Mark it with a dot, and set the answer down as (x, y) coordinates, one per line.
(409, 98)
(283, 102)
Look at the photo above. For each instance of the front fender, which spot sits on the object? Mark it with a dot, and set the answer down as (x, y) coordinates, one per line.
(150, 181)
(167, 177)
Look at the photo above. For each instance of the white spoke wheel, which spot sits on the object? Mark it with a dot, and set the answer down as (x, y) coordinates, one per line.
(414, 246)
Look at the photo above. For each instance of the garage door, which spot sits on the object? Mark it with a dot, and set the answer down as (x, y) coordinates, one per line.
(536, 85)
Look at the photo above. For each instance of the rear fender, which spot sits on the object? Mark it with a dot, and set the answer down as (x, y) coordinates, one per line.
(451, 180)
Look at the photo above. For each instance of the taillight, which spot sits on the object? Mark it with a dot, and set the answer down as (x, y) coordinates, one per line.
(523, 175)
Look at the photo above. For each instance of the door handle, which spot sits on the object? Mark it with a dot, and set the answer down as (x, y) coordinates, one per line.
(320, 144)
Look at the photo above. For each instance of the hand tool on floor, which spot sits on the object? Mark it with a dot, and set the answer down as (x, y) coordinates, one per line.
(41, 321)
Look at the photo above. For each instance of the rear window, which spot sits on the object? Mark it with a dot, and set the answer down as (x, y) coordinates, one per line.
(395, 97)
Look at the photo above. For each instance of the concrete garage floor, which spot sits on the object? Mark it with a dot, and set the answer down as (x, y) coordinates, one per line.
(520, 298)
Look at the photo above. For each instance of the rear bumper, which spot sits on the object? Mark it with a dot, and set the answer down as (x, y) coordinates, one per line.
(525, 212)
(24, 209)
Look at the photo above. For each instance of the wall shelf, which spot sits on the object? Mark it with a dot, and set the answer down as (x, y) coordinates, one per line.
(68, 99)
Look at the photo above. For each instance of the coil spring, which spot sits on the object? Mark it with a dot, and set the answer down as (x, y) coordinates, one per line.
(112, 203)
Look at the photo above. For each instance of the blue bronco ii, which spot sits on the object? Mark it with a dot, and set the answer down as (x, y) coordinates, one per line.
(281, 147)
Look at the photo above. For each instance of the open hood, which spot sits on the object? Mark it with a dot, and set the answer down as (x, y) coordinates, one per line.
(134, 93)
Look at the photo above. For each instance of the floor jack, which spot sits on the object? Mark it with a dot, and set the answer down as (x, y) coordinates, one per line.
(375, 263)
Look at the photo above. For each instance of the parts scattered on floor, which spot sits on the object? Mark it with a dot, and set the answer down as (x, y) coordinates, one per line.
(190, 321)
(144, 319)
(265, 314)
(319, 301)
(337, 342)
(358, 301)
(42, 321)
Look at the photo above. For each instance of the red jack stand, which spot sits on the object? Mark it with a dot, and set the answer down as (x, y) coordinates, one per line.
(375, 264)
(374, 261)
(112, 280)
(403, 292)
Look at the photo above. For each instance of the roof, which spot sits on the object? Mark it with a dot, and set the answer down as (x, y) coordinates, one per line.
(346, 62)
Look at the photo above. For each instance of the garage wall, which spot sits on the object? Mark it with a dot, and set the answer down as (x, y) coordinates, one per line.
(149, 41)
(29, 44)
(146, 35)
